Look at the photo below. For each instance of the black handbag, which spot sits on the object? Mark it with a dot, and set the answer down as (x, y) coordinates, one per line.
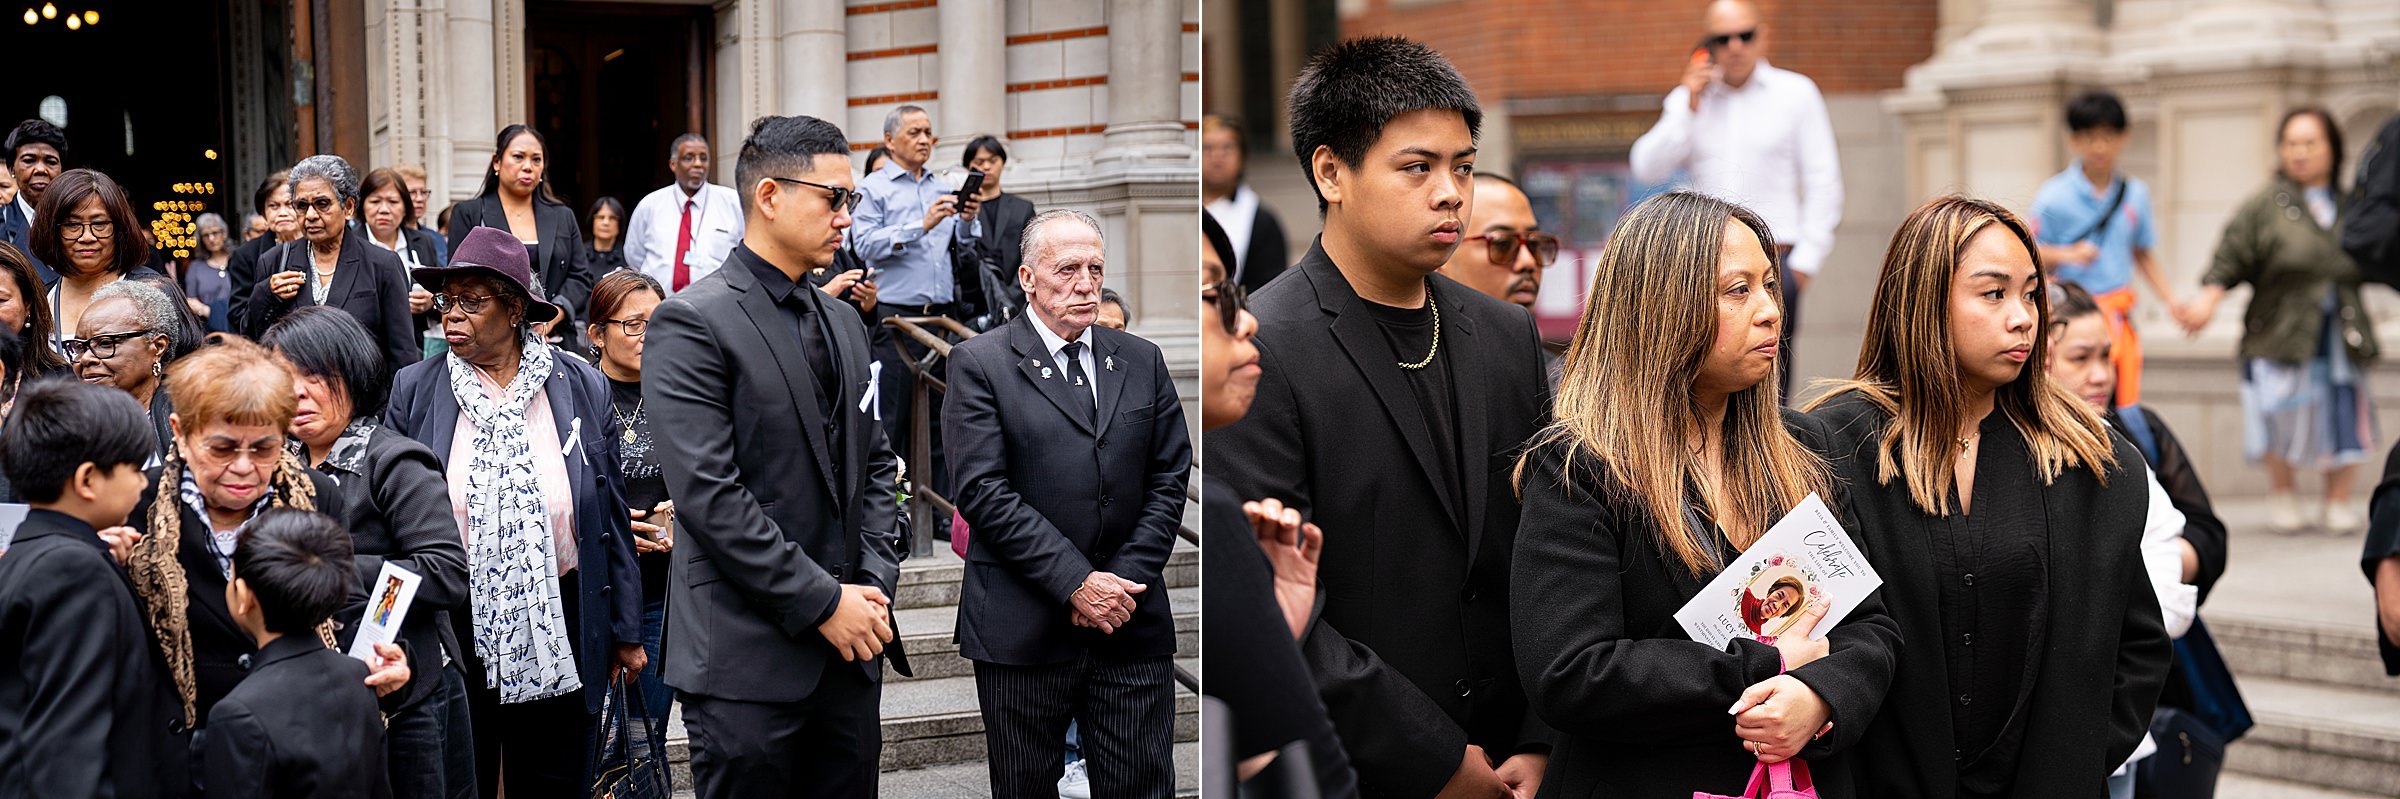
(2187, 762)
(622, 767)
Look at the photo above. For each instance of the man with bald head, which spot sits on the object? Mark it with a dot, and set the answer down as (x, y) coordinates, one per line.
(1745, 131)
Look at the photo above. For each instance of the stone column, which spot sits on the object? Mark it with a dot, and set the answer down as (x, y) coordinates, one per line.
(512, 92)
(973, 53)
(404, 49)
(1145, 85)
(471, 99)
(810, 41)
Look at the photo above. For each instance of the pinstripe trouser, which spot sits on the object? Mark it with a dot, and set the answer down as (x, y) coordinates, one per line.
(1127, 714)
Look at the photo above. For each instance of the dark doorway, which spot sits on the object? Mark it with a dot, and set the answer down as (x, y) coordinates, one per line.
(613, 85)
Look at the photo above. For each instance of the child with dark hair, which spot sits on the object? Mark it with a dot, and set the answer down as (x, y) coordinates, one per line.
(302, 724)
(2094, 226)
(85, 705)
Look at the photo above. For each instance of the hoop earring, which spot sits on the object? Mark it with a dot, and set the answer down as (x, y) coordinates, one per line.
(158, 369)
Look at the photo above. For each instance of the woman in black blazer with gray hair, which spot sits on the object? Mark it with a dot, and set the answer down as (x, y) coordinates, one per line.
(516, 197)
(332, 264)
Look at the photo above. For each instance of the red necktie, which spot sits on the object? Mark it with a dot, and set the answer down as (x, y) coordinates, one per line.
(683, 244)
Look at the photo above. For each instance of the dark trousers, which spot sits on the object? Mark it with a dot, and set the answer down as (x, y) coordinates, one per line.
(1791, 327)
(429, 747)
(899, 382)
(828, 745)
(1124, 711)
(543, 748)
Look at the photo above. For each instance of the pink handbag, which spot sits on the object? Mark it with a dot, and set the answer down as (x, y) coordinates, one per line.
(1774, 781)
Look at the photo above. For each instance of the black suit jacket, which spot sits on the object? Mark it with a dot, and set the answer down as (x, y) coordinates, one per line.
(1268, 254)
(85, 705)
(1253, 665)
(2105, 651)
(775, 509)
(1039, 484)
(423, 408)
(1639, 706)
(557, 260)
(242, 272)
(218, 644)
(369, 283)
(304, 725)
(397, 505)
(1412, 653)
(16, 228)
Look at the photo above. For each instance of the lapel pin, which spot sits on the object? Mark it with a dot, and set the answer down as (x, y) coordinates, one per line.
(1045, 373)
(1110, 363)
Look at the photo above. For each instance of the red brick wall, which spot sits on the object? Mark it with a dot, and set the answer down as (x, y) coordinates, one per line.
(1513, 49)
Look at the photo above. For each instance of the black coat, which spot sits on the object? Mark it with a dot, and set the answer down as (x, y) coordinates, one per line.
(1268, 254)
(242, 272)
(304, 725)
(424, 408)
(2107, 650)
(398, 510)
(1639, 706)
(369, 283)
(1039, 486)
(86, 708)
(773, 518)
(558, 263)
(2201, 527)
(1253, 665)
(1004, 217)
(218, 643)
(2383, 541)
(1412, 654)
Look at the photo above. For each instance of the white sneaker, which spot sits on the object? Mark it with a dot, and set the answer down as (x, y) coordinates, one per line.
(1075, 784)
(2343, 518)
(2283, 512)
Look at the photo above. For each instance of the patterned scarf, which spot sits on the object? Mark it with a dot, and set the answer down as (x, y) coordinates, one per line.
(520, 626)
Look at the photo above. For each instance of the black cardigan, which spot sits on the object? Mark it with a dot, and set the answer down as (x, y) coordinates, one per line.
(397, 505)
(2107, 650)
(1639, 706)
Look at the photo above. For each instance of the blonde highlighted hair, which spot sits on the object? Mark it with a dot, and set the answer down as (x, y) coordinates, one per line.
(1625, 396)
(1908, 367)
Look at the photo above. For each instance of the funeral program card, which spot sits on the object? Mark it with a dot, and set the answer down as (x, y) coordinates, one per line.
(387, 605)
(1806, 560)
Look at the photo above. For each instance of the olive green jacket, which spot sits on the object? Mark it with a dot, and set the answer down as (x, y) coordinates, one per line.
(2275, 245)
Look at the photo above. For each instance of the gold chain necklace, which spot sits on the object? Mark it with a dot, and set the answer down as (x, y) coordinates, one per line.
(1437, 332)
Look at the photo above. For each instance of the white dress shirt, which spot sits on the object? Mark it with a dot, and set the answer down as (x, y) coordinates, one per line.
(1052, 343)
(1767, 145)
(717, 226)
(2162, 557)
(1237, 213)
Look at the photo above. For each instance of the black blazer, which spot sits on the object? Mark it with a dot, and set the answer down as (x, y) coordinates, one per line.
(218, 643)
(423, 408)
(1639, 706)
(398, 510)
(2107, 651)
(557, 261)
(1268, 255)
(1039, 485)
(1412, 653)
(78, 648)
(370, 283)
(242, 272)
(2383, 541)
(303, 725)
(1255, 666)
(774, 517)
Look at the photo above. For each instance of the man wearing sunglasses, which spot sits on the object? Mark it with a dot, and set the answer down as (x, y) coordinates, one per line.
(1505, 250)
(784, 491)
(1745, 131)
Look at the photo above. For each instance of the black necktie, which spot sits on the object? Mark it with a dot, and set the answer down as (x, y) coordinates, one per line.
(1081, 383)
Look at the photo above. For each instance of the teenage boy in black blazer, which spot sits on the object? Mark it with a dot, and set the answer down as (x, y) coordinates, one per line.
(86, 708)
(303, 724)
(1392, 407)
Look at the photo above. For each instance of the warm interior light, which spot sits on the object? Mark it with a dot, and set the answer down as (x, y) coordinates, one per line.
(49, 11)
(210, 154)
(91, 18)
(74, 23)
(614, 55)
(31, 18)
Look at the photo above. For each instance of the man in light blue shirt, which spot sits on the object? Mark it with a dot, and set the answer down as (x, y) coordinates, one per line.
(904, 227)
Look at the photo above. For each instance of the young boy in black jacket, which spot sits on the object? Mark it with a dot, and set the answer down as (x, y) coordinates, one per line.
(302, 724)
(85, 705)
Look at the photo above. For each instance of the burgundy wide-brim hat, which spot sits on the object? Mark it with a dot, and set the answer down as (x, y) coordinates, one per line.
(494, 252)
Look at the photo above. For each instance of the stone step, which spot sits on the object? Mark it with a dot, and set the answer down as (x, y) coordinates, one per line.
(2303, 650)
(928, 581)
(932, 653)
(2321, 735)
(2235, 785)
(973, 780)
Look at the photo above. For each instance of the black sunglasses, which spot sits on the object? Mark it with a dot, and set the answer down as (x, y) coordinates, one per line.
(1719, 41)
(1502, 246)
(1230, 300)
(844, 198)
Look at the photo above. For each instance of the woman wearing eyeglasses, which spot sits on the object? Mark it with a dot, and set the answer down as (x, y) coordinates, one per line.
(516, 198)
(530, 447)
(332, 265)
(86, 228)
(621, 306)
(122, 343)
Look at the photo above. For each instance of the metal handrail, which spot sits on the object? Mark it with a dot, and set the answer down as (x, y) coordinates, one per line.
(926, 507)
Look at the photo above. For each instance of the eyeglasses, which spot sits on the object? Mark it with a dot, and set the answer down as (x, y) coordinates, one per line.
(845, 199)
(1719, 41)
(473, 305)
(74, 230)
(1230, 300)
(1501, 247)
(321, 205)
(103, 346)
(629, 328)
(224, 453)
